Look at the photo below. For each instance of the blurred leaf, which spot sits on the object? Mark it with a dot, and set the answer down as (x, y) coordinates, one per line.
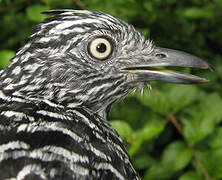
(158, 172)
(122, 128)
(218, 67)
(34, 12)
(218, 3)
(204, 119)
(157, 101)
(144, 31)
(150, 130)
(197, 13)
(212, 161)
(174, 99)
(148, 5)
(143, 161)
(46, 1)
(176, 156)
(128, 110)
(216, 140)
(191, 176)
(182, 96)
(5, 57)
(216, 163)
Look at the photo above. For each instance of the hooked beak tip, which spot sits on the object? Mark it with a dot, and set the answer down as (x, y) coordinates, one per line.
(148, 71)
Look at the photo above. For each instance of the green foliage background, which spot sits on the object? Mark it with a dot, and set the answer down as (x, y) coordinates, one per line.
(173, 131)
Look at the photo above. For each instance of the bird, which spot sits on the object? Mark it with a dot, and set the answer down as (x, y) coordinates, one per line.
(56, 94)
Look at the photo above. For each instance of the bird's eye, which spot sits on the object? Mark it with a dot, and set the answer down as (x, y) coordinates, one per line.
(100, 48)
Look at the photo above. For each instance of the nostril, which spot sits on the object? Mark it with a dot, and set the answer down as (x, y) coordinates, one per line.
(160, 55)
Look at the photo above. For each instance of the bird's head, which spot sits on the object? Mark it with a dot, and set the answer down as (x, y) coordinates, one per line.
(91, 59)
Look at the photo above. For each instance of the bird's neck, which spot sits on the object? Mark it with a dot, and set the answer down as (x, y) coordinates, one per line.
(97, 96)
(97, 102)
(74, 88)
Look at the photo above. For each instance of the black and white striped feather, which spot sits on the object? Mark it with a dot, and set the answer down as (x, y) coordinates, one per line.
(54, 100)
(49, 142)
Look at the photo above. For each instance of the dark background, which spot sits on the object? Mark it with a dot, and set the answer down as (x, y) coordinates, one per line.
(173, 131)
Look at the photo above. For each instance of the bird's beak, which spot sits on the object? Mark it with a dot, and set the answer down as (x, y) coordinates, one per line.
(147, 71)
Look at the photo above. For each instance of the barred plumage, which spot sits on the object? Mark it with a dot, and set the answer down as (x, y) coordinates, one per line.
(76, 142)
(56, 93)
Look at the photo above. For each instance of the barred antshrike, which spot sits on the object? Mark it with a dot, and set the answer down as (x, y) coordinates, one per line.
(56, 93)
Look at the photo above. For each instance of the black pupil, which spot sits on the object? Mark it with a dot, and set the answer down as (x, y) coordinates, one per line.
(101, 47)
